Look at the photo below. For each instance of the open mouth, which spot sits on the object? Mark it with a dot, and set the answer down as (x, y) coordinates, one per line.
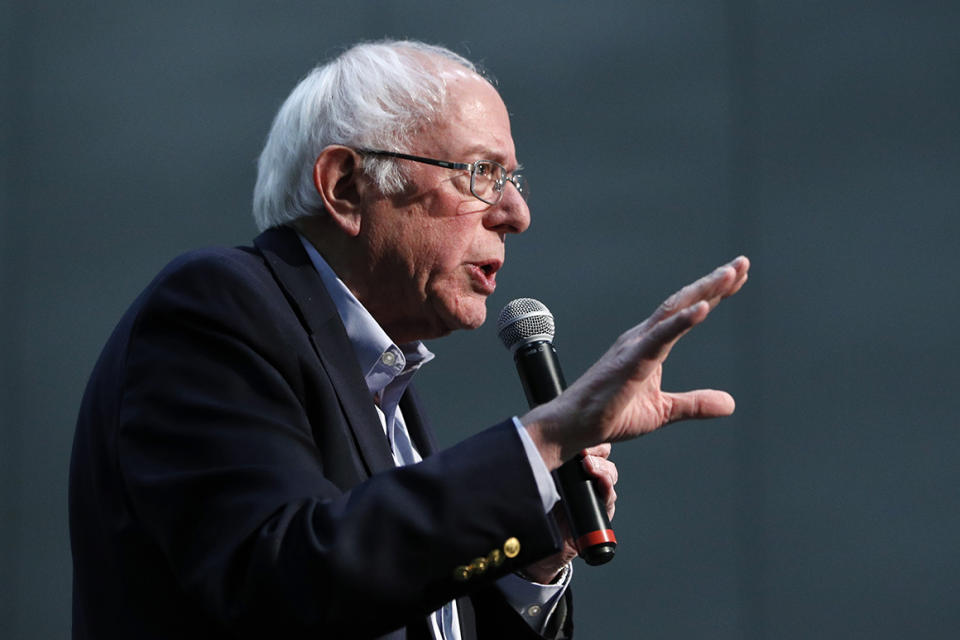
(486, 274)
(489, 268)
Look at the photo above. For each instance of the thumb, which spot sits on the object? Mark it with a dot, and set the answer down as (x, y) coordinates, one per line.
(701, 403)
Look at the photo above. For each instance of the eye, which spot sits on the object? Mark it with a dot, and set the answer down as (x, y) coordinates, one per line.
(485, 169)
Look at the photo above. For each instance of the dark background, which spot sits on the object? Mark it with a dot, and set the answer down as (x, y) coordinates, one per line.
(822, 139)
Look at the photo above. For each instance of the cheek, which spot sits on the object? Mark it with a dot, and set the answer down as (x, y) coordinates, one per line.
(446, 249)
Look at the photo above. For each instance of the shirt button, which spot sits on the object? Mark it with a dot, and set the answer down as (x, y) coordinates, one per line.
(533, 610)
(388, 358)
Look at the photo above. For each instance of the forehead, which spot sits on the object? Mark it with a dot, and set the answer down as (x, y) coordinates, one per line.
(474, 123)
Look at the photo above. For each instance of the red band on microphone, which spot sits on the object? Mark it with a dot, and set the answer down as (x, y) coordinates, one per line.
(596, 537)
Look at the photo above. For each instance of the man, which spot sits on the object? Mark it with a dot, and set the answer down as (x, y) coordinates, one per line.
(250, 460)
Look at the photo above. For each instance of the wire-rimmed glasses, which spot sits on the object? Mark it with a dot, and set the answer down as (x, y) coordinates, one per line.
(487, 178)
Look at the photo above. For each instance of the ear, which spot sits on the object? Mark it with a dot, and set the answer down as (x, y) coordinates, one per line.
(337, 177)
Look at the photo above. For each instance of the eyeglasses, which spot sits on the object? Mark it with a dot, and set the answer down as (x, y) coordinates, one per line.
(487, 178)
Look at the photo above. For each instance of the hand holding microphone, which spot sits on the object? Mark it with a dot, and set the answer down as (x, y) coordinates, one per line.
(526, 328)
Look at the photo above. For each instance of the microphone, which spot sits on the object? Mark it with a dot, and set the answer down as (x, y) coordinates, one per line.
(526, 328)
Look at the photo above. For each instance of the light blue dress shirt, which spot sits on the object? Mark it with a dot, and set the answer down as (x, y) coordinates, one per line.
(388, 370)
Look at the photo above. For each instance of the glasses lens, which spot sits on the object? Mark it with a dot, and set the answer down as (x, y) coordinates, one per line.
(486, 181)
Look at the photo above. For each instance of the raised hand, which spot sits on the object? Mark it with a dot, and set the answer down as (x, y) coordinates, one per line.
(619, 397)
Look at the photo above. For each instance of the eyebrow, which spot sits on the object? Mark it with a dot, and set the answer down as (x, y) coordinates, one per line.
(483, 152)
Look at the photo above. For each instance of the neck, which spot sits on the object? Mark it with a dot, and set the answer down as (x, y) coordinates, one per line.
(344, 256)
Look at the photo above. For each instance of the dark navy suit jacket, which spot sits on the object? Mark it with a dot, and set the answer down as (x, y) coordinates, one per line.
(230, 476)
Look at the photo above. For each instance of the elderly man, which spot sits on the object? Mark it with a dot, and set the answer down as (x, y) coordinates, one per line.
(250, 458)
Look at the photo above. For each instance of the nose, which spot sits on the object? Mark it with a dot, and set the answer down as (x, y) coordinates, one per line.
(510, 215)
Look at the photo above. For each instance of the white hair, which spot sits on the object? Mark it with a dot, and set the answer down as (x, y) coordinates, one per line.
(374, 95)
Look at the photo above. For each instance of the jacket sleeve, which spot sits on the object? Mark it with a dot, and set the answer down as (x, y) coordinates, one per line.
(224, 475)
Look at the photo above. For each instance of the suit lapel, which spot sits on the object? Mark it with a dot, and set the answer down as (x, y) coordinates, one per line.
(297, 276)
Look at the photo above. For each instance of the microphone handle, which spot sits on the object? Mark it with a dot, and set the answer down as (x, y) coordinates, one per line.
(542, 379)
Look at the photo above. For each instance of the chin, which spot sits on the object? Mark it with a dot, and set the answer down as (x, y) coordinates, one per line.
(470, 315)
(478, 317)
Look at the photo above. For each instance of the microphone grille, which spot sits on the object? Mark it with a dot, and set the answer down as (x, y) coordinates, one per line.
(523, 321)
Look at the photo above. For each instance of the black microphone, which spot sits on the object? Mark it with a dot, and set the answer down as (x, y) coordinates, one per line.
(526, 328)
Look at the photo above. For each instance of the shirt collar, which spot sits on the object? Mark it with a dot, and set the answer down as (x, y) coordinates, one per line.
(381, 361)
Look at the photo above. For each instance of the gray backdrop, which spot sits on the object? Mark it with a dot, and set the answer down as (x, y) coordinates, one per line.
(661, 138)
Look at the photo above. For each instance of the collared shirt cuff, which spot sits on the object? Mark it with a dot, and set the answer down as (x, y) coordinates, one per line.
(534, 602)
(545, 484)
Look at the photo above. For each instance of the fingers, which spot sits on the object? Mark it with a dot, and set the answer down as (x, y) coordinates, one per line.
(684, 309)
(702, 403)
(742, 267)
(602, 469)
(606, 475)
(690, 306)
(722, 282)
(658, 342)
(600, 451)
